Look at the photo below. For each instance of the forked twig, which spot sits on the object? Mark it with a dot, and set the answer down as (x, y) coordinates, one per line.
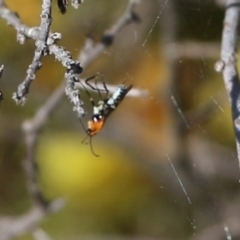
(41, 49)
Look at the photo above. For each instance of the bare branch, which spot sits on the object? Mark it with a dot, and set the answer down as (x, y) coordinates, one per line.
(228, 62)
(23, 32)
(31, 128)
(11, 227)
(91, 52)
(41, 49)
(45, 43)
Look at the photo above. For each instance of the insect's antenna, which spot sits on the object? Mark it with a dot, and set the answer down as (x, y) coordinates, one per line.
(90, 142)
(84, 140)
(85, 130)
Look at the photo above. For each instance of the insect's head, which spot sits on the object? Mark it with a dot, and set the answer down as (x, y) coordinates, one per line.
(95, 125)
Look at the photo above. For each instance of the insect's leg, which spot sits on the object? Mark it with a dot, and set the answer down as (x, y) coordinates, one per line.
(85, 130)
(89, 95)
(90, 142)
(84, 140)
(95, 88)
(105, 88)
(90, 85)
(98, 90)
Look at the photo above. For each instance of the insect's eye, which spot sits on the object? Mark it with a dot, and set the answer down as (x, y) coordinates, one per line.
(96, 118)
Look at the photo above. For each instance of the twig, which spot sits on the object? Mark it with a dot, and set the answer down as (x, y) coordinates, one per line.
(91, 52)
(46, 44)
(12, 19)
(31, 130)
(32, 127)
(11, 227)
(228, 61)
(41, 49)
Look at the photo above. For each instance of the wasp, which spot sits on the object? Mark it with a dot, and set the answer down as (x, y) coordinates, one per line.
(62, 5)
(103, 109)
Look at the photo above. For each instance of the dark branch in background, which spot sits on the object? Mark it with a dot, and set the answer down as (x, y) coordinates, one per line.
(228, 62)
(90, 51)
(14, 226)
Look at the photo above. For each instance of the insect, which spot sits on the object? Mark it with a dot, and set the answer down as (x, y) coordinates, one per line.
(62, 5)
(104, 107)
